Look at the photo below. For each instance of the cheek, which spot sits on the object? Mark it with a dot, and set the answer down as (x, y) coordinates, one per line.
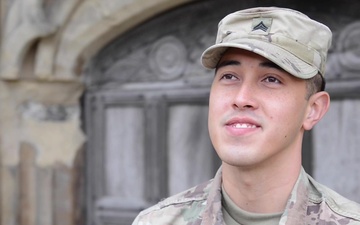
(287, 112)
(218, 107)
(217, 101)
(215, 109)
(277, 107)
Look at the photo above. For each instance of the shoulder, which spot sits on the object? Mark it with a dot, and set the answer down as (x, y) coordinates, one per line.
(337, 203)
(184, 206)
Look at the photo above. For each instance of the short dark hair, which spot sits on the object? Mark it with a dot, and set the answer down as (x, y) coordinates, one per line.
(314, 85)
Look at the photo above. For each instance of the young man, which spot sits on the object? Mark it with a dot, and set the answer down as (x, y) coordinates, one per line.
(268, 89)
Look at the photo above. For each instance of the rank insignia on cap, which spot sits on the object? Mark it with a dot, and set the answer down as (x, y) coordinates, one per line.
(261, 25)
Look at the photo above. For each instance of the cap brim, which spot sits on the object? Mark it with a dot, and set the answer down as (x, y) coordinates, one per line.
(278, 55)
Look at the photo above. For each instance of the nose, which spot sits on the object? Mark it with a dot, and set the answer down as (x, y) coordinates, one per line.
(246, 97)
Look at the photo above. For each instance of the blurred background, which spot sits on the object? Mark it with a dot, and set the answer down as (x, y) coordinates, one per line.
(103, 105)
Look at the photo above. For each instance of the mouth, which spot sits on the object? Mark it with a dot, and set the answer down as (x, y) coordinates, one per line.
(243, 125)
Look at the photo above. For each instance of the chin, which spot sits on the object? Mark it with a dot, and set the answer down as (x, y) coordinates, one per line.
(239, 163)
(238, 160)
(245, 158)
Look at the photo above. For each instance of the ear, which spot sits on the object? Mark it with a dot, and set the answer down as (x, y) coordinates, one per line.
(318, 105)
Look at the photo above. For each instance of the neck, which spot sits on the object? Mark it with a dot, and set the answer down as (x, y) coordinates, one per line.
(261, 189)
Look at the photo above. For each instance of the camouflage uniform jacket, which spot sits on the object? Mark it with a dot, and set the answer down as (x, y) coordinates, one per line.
(310, 203)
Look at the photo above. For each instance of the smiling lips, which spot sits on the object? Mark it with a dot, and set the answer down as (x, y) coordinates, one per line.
(243, 125)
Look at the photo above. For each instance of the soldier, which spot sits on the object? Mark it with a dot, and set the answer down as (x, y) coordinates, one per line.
(267, 90)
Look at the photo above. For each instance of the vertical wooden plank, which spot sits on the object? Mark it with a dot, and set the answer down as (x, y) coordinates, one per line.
(99, 185)
(95, 155)
(63, 195)
(90, 129)
(124, 148)
(190, 156)
(27, 183)
(153, 167)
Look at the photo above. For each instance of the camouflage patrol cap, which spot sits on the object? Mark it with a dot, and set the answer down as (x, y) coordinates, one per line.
(286, 37)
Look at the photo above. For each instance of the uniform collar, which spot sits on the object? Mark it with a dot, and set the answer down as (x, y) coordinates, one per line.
(295, 211)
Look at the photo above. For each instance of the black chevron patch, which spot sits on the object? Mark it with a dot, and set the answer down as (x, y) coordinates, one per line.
(261, 26)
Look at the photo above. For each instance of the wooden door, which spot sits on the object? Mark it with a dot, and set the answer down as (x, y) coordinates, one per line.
(146, 113)
(145, 145)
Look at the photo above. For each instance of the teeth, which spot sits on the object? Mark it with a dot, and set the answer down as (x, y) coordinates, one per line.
(244, 125)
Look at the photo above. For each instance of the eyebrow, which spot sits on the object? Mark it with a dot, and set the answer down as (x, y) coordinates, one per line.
(227, 63)
(266, 64)
(270, 64)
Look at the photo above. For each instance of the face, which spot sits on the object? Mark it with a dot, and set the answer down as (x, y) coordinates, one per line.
(256, 110)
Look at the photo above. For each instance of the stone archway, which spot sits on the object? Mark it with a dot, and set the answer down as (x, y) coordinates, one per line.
(44, 46)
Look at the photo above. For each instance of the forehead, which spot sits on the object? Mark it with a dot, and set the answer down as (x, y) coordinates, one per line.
(232, 53)
(235, 56)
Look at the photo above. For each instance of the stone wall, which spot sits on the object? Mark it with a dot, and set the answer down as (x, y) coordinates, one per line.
(44, 47)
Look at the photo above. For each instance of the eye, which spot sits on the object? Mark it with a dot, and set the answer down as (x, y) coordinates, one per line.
(228, 77)
(271, 79)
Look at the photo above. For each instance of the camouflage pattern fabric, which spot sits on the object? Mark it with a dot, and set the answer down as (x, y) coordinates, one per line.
(310, 203)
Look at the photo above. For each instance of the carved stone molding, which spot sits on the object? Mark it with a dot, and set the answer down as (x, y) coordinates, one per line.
(344, 62)
(25, 23)
(168, 58)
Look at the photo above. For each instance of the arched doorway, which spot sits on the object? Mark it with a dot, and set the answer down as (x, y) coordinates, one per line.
(146, 111)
